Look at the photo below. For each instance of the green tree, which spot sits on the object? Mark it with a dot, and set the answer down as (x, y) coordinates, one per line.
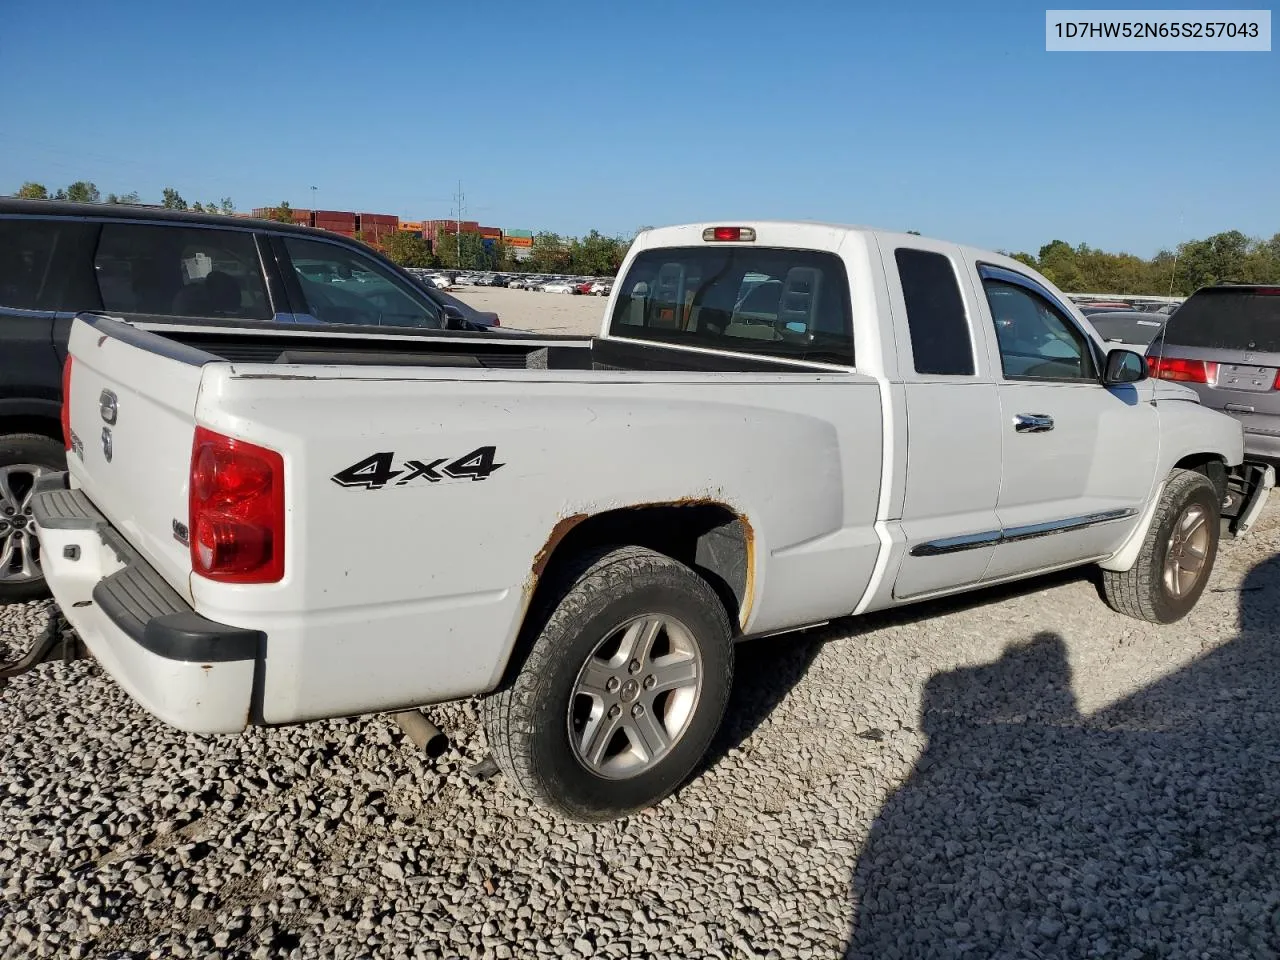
(130, 197)
(226, 207)
(408, 249)
(283, 213)
(549, 254)
(1028, 259)
(33, 191)
(83, 191)
(197, 207)
(172, 200)
(61, 194)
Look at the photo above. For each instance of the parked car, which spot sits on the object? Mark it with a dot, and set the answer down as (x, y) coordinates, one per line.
(558, 286)
(584, 287)
(1224, 343)
(744, 470)
(163, 267)
(601, 288)
(1134, 329)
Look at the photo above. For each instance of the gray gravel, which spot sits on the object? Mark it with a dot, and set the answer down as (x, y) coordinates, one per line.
(1018, 774)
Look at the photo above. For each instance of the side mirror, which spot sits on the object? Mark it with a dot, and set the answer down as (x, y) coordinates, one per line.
(1124, 366)
(453, 318)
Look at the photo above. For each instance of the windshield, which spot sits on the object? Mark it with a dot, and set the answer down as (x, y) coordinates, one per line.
(1226, 318)
(761, 300)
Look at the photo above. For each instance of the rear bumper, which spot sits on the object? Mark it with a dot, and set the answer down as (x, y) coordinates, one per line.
(188, 671)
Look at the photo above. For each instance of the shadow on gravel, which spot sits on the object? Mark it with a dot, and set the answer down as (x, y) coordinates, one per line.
(1149, 829)
(766, 670)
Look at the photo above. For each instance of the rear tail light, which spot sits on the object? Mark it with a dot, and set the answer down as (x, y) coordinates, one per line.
(236, 510)
(728, 233)
(66, 402)
(1186, 371)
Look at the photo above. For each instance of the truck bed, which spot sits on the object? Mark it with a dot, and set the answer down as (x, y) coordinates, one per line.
(450, 349)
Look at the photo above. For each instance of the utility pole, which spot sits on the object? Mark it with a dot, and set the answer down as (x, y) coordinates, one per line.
(458, 199)
(313, 198)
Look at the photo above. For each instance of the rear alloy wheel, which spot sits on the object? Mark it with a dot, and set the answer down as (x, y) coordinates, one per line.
(24, 458)
(635, 696)
(621, 689)
(1176, 557)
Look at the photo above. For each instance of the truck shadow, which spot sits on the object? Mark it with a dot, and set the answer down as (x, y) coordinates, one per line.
(766, 670)
(1147, 829)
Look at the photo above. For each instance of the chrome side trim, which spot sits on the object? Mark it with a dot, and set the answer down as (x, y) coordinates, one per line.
(974, 541)
(968, 541)
(1033, 530)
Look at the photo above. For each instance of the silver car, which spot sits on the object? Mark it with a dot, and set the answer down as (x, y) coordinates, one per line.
(1224, 342)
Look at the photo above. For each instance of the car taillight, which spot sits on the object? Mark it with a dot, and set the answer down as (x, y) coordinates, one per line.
(1187, 371)
(236, 510)
(66, 402)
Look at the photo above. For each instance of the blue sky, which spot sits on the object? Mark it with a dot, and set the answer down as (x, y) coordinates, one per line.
(948, 118)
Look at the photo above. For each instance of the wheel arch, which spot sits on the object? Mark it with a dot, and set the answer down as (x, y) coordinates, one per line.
(31, 419)
(709, 536)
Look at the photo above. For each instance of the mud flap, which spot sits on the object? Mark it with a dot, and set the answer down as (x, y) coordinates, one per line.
(1254, 481)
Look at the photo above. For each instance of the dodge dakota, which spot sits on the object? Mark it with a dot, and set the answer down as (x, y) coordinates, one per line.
(780, 424)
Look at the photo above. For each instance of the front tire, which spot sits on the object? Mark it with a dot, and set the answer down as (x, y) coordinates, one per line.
(621, 690)
(1176, 557)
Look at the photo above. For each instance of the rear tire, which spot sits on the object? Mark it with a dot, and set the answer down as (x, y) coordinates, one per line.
(1177, 555)
(548, 728)
(23, 457)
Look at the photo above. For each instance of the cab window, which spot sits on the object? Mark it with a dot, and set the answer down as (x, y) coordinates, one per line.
(1037, 342)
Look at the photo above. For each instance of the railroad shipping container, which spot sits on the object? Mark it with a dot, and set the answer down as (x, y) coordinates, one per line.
(523, 242)
(528, 234)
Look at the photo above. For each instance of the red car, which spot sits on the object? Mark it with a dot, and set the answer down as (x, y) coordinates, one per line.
(584, 287)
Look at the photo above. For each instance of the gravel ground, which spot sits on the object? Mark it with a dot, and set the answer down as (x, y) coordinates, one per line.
(1016, 774)
(560, 313)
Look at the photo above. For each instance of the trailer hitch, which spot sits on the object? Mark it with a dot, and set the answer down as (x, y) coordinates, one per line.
(58, 641)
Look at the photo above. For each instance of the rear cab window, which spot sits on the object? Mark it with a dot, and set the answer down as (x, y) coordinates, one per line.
(936, 320)
(767, 301)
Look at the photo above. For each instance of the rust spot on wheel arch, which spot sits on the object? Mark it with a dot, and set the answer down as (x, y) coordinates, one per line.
(566, 524)
(749, 578)
(558, 533)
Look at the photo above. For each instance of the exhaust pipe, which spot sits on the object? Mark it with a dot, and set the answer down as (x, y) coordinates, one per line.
(424, 734)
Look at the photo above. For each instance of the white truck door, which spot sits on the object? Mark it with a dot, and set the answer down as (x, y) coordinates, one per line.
(1078, 458)
(953, 411)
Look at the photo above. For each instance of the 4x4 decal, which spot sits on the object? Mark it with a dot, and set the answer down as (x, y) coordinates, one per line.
(377, 471)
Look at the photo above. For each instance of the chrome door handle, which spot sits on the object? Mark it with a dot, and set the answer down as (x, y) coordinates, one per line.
(1032, 423)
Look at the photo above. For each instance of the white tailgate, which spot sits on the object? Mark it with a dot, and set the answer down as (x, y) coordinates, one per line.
(142, 488)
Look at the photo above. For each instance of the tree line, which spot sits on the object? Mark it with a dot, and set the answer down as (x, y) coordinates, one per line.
(594, 255)
(86, 191)
(1230, 256)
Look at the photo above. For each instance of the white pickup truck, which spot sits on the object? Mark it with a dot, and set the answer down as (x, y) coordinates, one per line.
(781, 424)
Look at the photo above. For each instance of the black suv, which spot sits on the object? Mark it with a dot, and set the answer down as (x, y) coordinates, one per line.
(161, 266)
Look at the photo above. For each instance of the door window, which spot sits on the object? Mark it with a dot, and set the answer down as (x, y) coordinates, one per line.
(1037, 342)
(341, 286)
(26, 255)
(180, 272)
